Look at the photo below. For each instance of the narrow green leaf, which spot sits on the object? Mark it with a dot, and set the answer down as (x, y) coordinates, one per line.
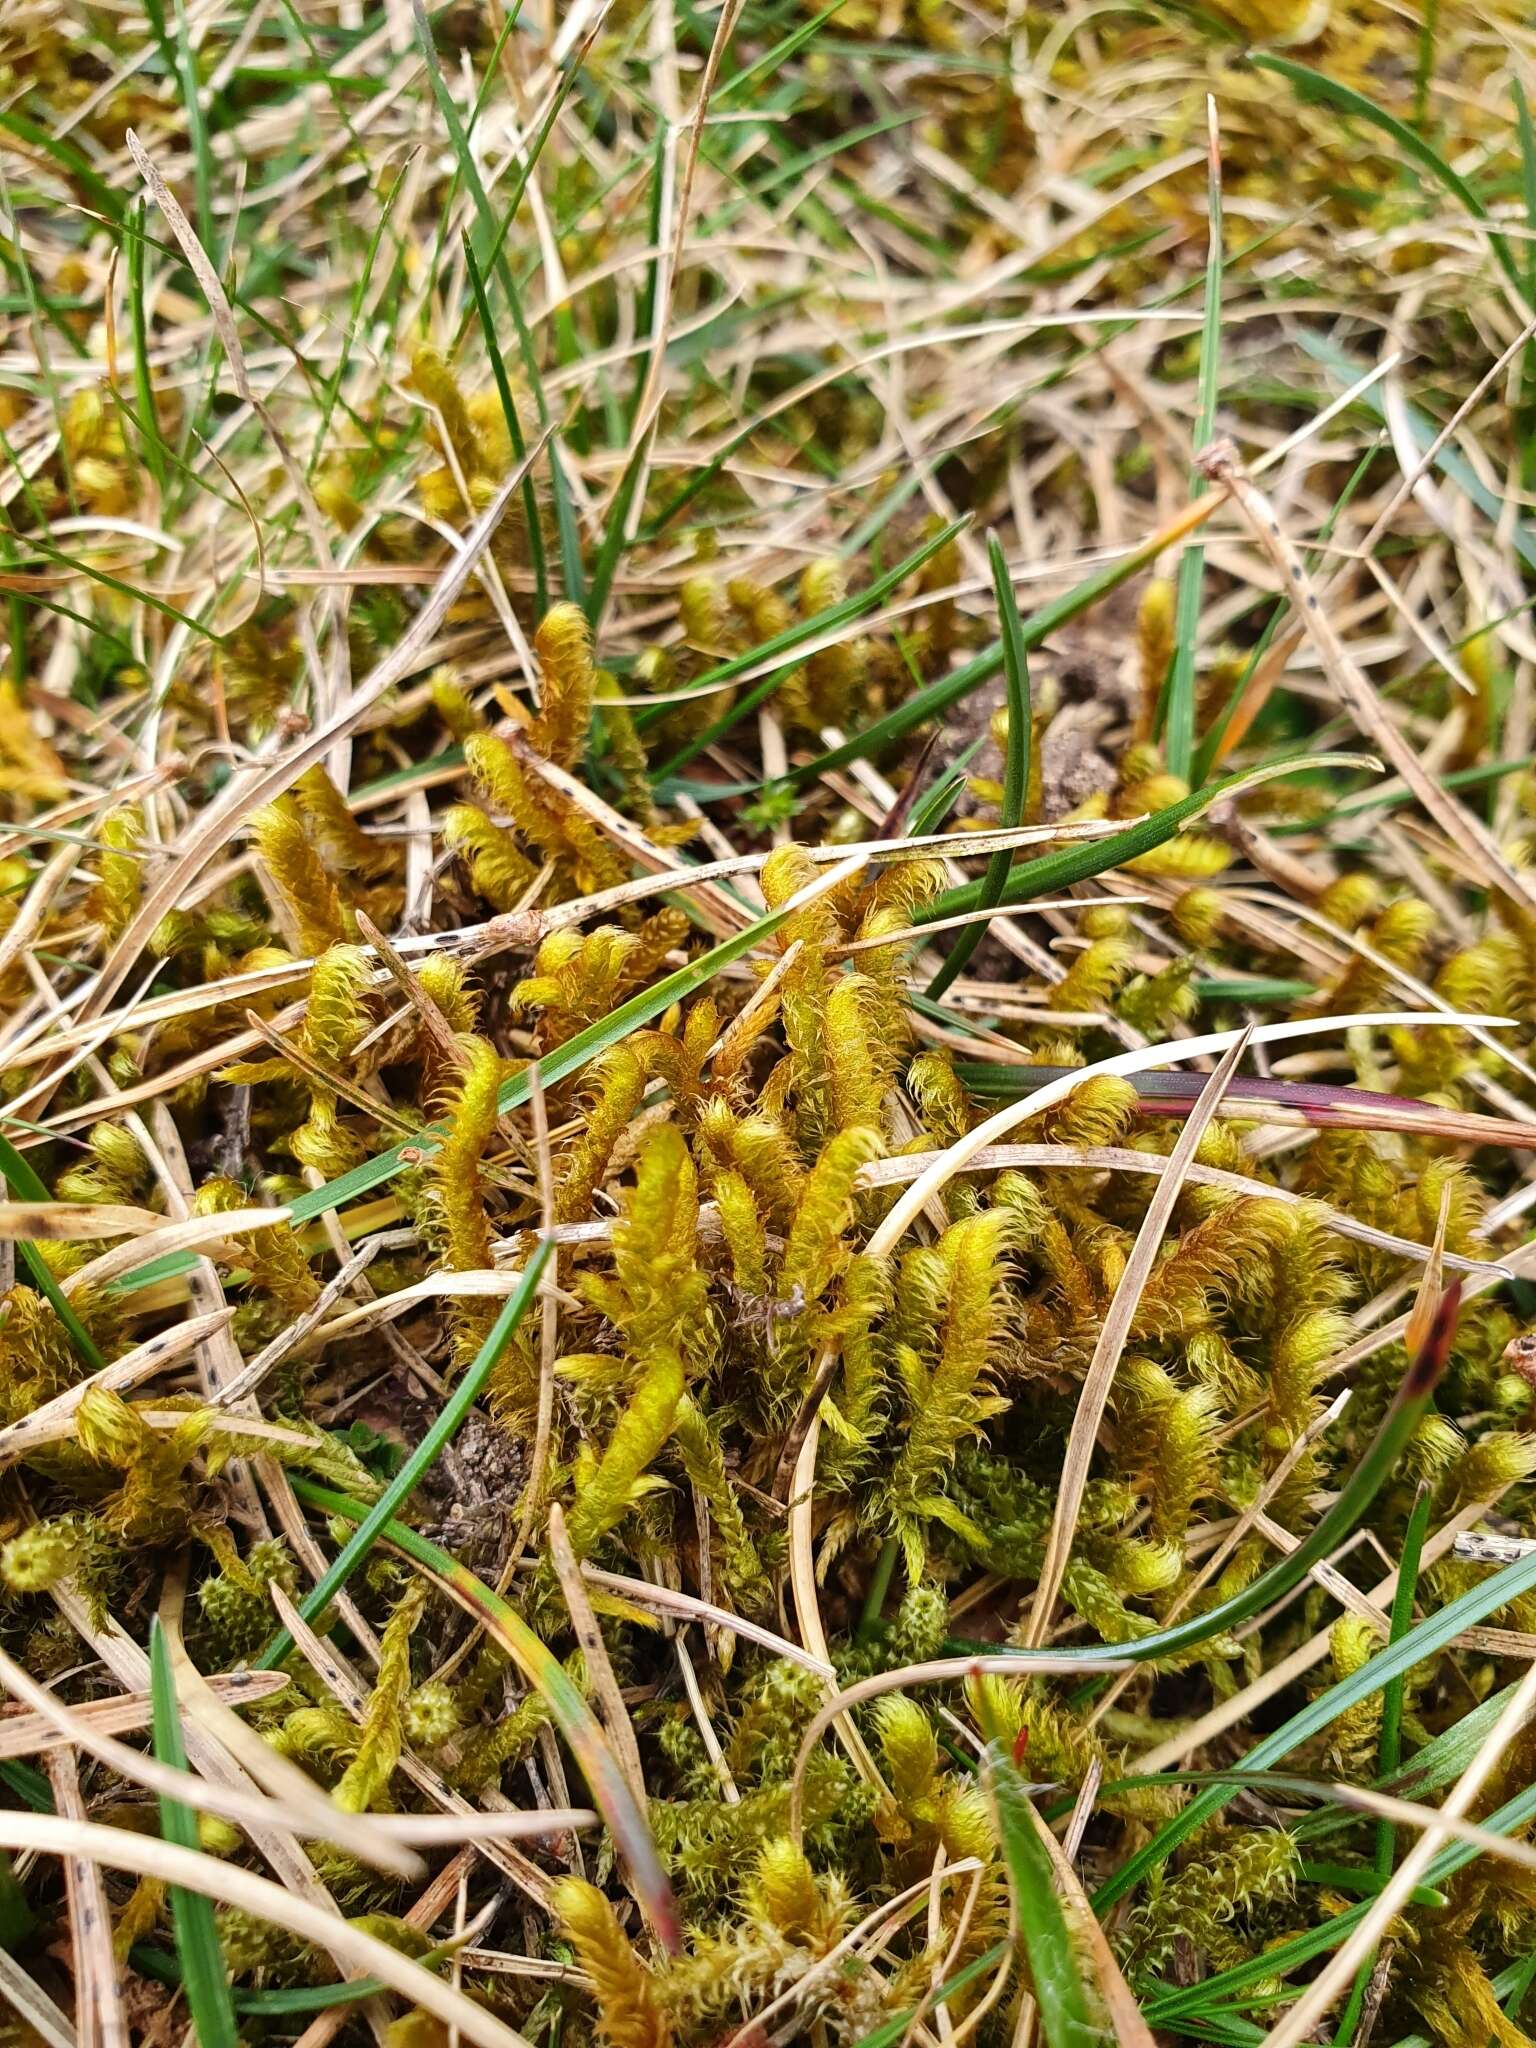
(24, 1183)
(69, 159)
(1045, 1940)
(544, 1671)
(405, 1482)
(934, 700)
(299, 1998)
(197, 135)
(349, 333)
(612, 549)
(794, 636)
(492, 235)
(588, 1044)
(1317, 87)
(1448, 459)
(774, 59)
(1354, 1497)
(1389, 1743)
(1364, 1882)
(1527, 182)
(514, 427)
(203, 1975)
(1179, 723)
(133, 592)
(1390, 1750)
(1015, 771)
(945, 793)
(892, 2031)
(1087, 857)
(148, 422)
(1431, 1636)
(17, 1920)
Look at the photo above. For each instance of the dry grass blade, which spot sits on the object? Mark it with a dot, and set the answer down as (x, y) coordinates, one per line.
(937, 1671)
(1140, 1060)
(1331, 1981)
(206, 1234)
(74, 1222)
(32, 2004)
(53, 1422)
(130, 1666)
(880, 1921)
(600, 1673)
(1460, 825)
(227, 1883)
(424, 1913)
(25, 1733)
(229, 336)
(1097, 1382)
(199, 1702)
(343, 1683)
(314, 1815)
(1125, 2018)
(101, 2021)
(898, 1172)
(247, 792)
(568, 1707)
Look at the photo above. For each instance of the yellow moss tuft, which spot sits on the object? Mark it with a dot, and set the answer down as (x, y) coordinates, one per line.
(568, 682)
(629, 2012)
(304, 885)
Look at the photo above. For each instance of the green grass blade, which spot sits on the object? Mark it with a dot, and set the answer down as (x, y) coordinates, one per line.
(1527, 131)
(774, 59)
(349, 333)
(1390, 1742)
(1279, 1960)
(1206, 754)
(69, 159)
(945, 794)
(1390, 1749)
(830, 620)
(937, 697)
(405, 1482)
(1016, 769)
(1527, 173)
(1317, 87)
(155, 452)
(891, 2032)
(1088, 857)
(303, 1998)
(492, 234)
(197, 136)
(586, 1045)
(203, 1974)
(1421, 1643)
(609, 554)
(128, 591)
(544, 1671)
(1409, 1406)
(1045, 1940)
(1179, 722)
(17, 1920)
(514, 426)
(1449, 460)
(25, 1184)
